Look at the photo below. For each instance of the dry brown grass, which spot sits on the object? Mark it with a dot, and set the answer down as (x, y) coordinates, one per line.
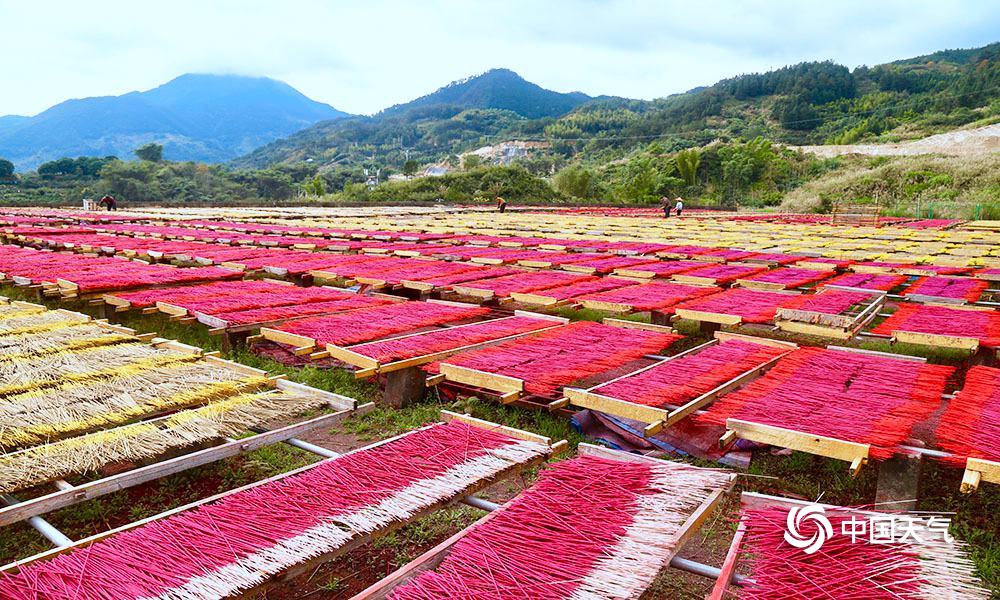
(907, 185)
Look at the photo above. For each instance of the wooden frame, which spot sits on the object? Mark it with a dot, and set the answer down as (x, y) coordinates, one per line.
(841, 327)
(852, 452)
(657, 418)
(506, 473)
(435, 556)
(978, 470)
(369, 366)
(508, 388)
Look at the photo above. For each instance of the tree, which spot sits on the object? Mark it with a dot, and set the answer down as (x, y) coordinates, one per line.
(150, 152)
(575, 181)
(6, 169)
(410, 168)
(687, 165)
(316, 186)
(471, 161)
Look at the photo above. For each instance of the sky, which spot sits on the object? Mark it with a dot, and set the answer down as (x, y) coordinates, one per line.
(361, 57)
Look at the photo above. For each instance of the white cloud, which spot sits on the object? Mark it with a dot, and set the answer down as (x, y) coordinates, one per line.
(364, 56)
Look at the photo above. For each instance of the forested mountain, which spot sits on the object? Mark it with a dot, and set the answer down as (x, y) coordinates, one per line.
(210, 118)
(451, 118)
(817, 102)
(500, 89)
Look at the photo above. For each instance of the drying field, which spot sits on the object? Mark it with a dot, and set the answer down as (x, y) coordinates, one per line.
(408, 402)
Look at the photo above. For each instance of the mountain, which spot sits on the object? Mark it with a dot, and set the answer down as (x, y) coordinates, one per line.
(501, 89)
(210, 118)
(804, 104)
(457, 115)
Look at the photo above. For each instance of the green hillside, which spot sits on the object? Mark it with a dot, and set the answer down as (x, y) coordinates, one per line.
(808, 103)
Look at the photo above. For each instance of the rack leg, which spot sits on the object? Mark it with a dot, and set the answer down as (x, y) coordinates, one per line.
(899, 483)
(403, 387)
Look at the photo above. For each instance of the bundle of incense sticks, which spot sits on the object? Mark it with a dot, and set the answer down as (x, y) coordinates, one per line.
(922, 566)
(723, 274)
(667, 268)
(583, 288)
(655, 295)
(837, 263)
(113, 395)
(527, 281)
(551, 359)
(278, 313)
(477, 274)
(753, 306)
(607, 264)
(261, 296)
(728, 254)
(940, 320)
(863, 398)
(22, 323)
(368, 324)
(790, 277)
(120, 275)
(680, 380)
(298, 262)
(204, 291)
(970, 426)
(235, 543)
(830, 301)
(450, 338)
(964, 288)
(65, 339)
(221, 418)
(869, 281)
(945, 270)
(589, 528)
(776, 258)
(416, 270)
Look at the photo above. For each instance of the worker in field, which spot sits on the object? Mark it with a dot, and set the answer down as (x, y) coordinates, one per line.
(678, 205)
(501, 204)
(109, 201)
(665, 205)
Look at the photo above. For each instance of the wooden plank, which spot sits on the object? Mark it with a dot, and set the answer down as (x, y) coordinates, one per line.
(719, 590)
(472, 292)
(693, 279)
(625, 324)
(429, 358)
(171, 309)
(711, 395)
(978, 470)
(798, 440)
(284, 337)
(481, 379)
(425, 562)
(767, 286)
(350, 357)
(932, 339)
(520, 434)
(94, 489)
(535, 299)
(815, 330)
(615, 307)
(724, 335)
(708, 317)
(614, 406)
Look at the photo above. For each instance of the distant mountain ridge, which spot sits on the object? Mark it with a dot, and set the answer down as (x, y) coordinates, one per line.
(808, 103)
(500, 89)
(210, 118)
(451, 115)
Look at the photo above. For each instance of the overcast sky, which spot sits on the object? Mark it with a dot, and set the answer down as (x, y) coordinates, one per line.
(364, 56)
